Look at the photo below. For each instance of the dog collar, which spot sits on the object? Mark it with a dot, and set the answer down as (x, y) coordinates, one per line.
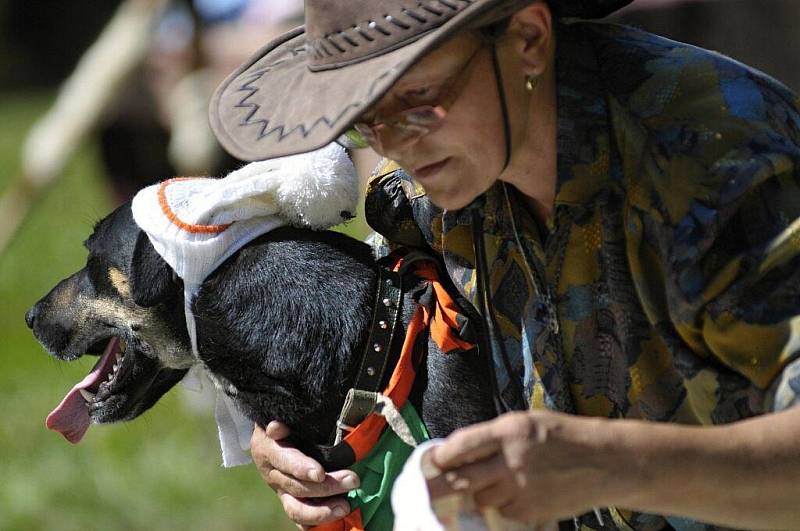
(375, 454)
(361, 398)
(358, 428)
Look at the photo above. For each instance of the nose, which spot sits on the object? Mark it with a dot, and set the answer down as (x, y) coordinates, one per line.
(31, 315)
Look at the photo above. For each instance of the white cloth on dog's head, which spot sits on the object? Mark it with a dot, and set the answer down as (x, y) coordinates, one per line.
(195, 224)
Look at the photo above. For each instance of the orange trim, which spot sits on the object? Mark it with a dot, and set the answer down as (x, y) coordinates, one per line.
(173, 217)
(351, 522)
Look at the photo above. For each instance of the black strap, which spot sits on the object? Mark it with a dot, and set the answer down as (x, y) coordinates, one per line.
(385, 317)
(501, 93)
(361, 398)
(490, 323)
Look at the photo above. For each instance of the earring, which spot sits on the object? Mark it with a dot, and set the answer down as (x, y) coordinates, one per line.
(531, 82)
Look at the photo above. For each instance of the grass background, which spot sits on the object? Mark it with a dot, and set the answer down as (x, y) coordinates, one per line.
(161, 471)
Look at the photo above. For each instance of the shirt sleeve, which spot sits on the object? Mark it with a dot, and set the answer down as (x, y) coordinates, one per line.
(732, 263)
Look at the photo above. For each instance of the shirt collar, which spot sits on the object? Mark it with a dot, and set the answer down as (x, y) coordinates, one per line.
(583, 139)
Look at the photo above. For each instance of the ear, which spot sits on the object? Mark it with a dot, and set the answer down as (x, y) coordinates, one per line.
(150, 277)
(532, 31)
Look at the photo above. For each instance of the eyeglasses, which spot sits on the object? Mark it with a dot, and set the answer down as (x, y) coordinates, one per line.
(411, 124)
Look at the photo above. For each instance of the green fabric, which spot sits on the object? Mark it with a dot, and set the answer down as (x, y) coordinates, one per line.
(378, 471)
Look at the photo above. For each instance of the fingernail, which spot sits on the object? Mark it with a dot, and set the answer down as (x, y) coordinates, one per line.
(350, 482)
(340, 511)
(315, 474)
(456, 483)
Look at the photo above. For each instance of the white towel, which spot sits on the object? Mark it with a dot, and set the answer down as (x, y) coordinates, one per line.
(414, 511)
(195, 224)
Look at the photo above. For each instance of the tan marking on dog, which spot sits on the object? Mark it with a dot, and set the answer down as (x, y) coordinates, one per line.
(65, 294)
(119, 281)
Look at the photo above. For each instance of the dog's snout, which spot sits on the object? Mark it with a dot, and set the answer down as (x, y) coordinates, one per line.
(31, 315)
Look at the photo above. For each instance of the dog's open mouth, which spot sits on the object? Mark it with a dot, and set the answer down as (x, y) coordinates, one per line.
(90, 399)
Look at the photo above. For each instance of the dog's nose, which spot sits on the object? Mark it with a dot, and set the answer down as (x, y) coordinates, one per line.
(30, 316)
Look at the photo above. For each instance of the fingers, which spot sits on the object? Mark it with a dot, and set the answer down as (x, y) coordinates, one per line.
(309, 496)
(335, 483)
(466, 446)
(480, 475)
(287, 469)
(496, 495)
(313, 512)
(484, 475)
(276, 430)
(269, 453)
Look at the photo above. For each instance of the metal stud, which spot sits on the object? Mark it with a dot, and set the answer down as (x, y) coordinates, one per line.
(377, 347)
(370, 371)
(383, 324)
(387, 302)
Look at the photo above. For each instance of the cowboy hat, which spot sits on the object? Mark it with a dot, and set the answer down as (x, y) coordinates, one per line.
(303, 89)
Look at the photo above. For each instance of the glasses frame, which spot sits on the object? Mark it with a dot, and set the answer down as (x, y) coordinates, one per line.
(413, 123)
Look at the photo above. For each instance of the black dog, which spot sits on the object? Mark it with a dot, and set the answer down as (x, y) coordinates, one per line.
(281, 325)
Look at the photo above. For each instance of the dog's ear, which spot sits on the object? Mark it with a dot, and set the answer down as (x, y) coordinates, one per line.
(150, 277)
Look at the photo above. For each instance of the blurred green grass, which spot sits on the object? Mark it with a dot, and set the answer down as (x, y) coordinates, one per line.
(161, 471)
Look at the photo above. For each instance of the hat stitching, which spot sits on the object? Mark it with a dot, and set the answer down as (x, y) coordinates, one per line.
(280, 130)
(380, 77)
(348, 38)
(364, 35)
(413, 14)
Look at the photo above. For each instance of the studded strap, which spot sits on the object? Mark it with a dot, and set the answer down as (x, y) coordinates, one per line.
(360, 400)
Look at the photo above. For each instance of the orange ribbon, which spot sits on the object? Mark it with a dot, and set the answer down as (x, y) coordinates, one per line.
(444, 331)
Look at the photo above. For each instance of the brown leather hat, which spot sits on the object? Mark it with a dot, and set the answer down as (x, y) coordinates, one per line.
(303, 89)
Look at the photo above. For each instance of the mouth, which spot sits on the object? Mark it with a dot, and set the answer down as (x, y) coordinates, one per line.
(426, 172)
(121, 385)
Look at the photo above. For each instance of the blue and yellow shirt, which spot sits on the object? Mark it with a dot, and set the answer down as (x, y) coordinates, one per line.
(666, 284)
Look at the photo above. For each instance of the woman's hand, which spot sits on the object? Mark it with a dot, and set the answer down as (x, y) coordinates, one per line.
(534, 466)
(309, 496)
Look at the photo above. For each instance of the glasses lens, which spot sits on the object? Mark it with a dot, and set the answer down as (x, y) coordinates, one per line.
(421, 116)
(352, 139)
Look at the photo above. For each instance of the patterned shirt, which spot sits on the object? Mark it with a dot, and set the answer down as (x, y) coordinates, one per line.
(665, 285)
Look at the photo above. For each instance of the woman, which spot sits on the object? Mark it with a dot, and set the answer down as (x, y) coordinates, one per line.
(621, 208)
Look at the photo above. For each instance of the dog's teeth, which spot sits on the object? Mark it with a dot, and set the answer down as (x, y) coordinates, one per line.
(122, 345)
(110, 376)
(86, 395)
(119, 356)
(115, 367)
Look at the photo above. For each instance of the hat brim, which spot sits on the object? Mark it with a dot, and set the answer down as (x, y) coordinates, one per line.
(274, 105)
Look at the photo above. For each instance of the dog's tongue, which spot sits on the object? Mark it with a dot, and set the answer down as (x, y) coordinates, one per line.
(71, 417)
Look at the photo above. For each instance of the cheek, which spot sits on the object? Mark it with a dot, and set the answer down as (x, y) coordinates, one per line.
(477, 118)
(478, 148)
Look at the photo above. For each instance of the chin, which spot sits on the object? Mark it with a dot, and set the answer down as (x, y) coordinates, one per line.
(453, 198)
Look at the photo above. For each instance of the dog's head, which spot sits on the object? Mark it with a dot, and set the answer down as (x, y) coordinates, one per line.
(126, 307)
